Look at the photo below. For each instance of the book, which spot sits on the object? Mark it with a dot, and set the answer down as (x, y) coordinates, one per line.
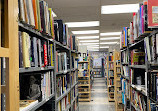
(38, 15)
(51, 22)
(20, 51)
(34, 4)
(21, 10)
(25, 49)
(152, 13)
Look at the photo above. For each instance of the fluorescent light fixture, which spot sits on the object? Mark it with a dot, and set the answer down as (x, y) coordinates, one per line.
(110, 33)
(108, 43)
(87, 37)
(104, 47)
(110, 38)
(86, 32)
(83, 24)
(93, 45)
(93, 49)
(123, 8)
(54, 15)
(89, 41)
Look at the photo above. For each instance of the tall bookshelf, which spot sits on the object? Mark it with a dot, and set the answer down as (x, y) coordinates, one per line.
(139, 63)
(57, 79)
(110, 77)
(117, 81)
(84, 85)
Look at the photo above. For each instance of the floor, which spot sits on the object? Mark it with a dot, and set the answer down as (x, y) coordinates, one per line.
(99, 98)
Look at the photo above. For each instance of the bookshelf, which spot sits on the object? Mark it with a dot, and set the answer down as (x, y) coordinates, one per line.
(110, 76)
(84, 80)
(97, 72)
(56, 72)
(139, 63)
(117, 81)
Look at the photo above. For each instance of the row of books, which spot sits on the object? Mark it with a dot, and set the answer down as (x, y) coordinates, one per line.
(62, 61)
(40, 86)
(111, 81)
(34, 52)
(138, 100)
(73, 77)
(64, 103)
(151, 48)
(82, 73)
(83, 66)
(111, 58)
(62, 84)
(111, 73)
(152, 106)
(137, 57)
(111, 66)
(75, 105)
(96, 72)
(126, 71)
(124, 57)
(153, 86)
(118, 69)
(37, 14)
(138, 26)
(74, 62)
(74, 92)
(125, 91)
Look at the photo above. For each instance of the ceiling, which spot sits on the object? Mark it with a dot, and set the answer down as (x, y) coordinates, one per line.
(90, 10)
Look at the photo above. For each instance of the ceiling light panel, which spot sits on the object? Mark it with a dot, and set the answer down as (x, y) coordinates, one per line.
(110, 38)
(110, 33)
(104, 47)
(87, 37)
(86, 32)
(108, 42)
(83, 24)
(87, 41)
(123, 8)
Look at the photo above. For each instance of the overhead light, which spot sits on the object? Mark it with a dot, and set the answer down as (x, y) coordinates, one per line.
(93, 49)
(89, 41)
(86, 32)
(92, 45)
(83, 24)
(108, 43)
(115, 9)
(87, 37)
(110, 38)
(110, 33)
(105, 47)
(54, 15)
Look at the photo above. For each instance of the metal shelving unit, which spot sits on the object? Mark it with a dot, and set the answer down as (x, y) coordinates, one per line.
(57, 46)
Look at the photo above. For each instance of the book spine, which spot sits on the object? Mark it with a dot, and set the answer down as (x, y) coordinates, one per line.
(45, 54)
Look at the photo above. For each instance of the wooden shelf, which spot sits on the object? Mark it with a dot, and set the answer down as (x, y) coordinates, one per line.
(88, 100)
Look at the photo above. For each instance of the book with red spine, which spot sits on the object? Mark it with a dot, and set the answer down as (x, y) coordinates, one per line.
(45, 54)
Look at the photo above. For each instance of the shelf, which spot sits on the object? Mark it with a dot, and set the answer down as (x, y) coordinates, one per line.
(82, 62)
(139, 89)
(35, 69)
(41, 103)
(63, 95)
(63, 72)
(110, 85)
(84, 92)
(138, 66)
(74, 69)
(61, 46)
(153, 100)
(125, 64)
(27, 28)
(74, 85)
(84, 99)
(83, 76)
(111, 100)
(123, 49)
(83, 80)
(136, 43)
(83, 84)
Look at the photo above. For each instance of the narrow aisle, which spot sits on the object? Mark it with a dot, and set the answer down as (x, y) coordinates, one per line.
(99, 98)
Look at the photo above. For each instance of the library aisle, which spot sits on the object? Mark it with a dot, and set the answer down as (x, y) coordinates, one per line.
(99, 98)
